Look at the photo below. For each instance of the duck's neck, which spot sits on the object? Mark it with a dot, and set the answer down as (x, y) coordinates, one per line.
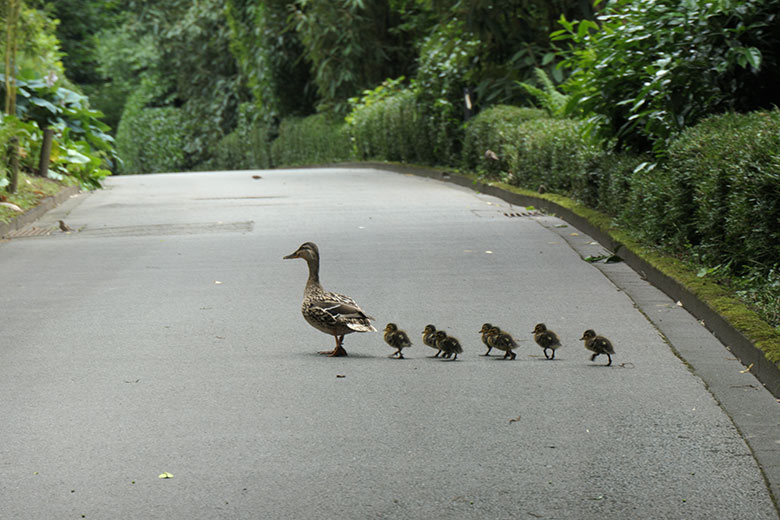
(313, 283)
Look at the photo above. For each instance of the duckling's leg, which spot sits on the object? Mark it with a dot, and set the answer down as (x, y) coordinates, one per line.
(400, 354)
(593, 357)
(338, 351)
(512, 354)
(546, 355)
(454, 357)
(553, 353)
(488, 351)
(507, 354)
(610, 360)
(437, 354)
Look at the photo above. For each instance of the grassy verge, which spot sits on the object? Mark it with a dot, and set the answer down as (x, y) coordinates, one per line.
(30, 191)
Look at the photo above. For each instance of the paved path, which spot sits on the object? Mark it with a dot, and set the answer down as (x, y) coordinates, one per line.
(164, 335)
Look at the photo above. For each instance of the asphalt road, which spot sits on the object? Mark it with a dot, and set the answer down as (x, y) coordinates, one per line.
(164, 334)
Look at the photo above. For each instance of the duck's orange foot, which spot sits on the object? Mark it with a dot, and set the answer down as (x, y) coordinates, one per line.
(337, 352)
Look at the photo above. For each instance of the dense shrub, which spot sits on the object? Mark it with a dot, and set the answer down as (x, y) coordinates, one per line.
(150, 139)
(525, 148)
(248, 147)
(493, 129)
(315, 139)
(725, 173)
(648, 70)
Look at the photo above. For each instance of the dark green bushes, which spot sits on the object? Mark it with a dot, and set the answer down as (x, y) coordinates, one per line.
(723, 179)
(523, 147)
(316, 139)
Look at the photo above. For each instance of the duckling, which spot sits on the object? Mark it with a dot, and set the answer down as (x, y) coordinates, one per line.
(546, 339)
(502, 340)
(448, 344)
(428, 337)
(397, 339)
(329, 312)
(484, 331)
(598, 345)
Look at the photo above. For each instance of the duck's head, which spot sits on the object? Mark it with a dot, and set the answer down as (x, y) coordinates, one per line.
(439, 335)
(540, 327)
(307, 251)
(429, 329)
(391, 327)
(588, 334)
(485, 328)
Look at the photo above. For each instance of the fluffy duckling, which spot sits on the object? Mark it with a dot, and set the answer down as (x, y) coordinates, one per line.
(502, 340)
(598, 345)
(485, 330)
(546, 339)
(428, 337)
(449, 345)
(329, 312)
(397, 339)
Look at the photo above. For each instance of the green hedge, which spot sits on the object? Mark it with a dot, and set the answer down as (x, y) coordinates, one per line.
(525, 148)
(316, 139)
(248, 147)
(719, 192)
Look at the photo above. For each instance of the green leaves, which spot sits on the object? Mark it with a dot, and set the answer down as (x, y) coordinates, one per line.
(650, 69)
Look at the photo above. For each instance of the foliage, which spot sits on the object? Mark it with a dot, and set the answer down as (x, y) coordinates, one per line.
(730, 167)
(546, 95)
(38, 49)
(493, 129)
(151, 138)
(82, 148)
(385, 124)
(350, 45)
(31, 190)
(316, 139)
(514, 39)
(647, 70)
(268, 55)
(248, 147)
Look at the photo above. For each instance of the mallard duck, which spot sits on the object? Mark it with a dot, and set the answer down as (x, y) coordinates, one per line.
(502, 340)
(397, 339)
(484, 331)
(428, 337)
(448, 344)
(546, 339)
(598, 345)
(329, 312)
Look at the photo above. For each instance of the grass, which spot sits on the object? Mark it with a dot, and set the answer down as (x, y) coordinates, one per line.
(30, 191)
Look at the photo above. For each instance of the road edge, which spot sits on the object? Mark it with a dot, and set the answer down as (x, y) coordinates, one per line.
(36, 212)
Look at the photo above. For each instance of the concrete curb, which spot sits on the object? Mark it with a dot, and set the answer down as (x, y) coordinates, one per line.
(744, 349)
(33, 214)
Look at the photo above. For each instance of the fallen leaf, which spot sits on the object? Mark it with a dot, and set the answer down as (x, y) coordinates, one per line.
(165, 474)
(11, 206)
(340, 376)
(256, 177)
(679, 303)
(516, 419)
(488, 252)
(561, 225)
(747, 369)
(217, 282)
(574, 234)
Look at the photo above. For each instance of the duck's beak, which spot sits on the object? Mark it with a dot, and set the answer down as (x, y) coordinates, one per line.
(292, 255)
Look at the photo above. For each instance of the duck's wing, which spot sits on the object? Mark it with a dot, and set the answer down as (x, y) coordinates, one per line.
(336, 308)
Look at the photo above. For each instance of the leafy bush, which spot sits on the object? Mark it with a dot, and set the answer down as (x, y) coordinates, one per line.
(385, 125)
(650, 69)
(248, 147)
(316, 139)
(494, 129)
(726, 172)
(150, 139)
(522, 146)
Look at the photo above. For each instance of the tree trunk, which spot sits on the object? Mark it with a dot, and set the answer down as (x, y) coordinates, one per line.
(14, 157)
(43, 165)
